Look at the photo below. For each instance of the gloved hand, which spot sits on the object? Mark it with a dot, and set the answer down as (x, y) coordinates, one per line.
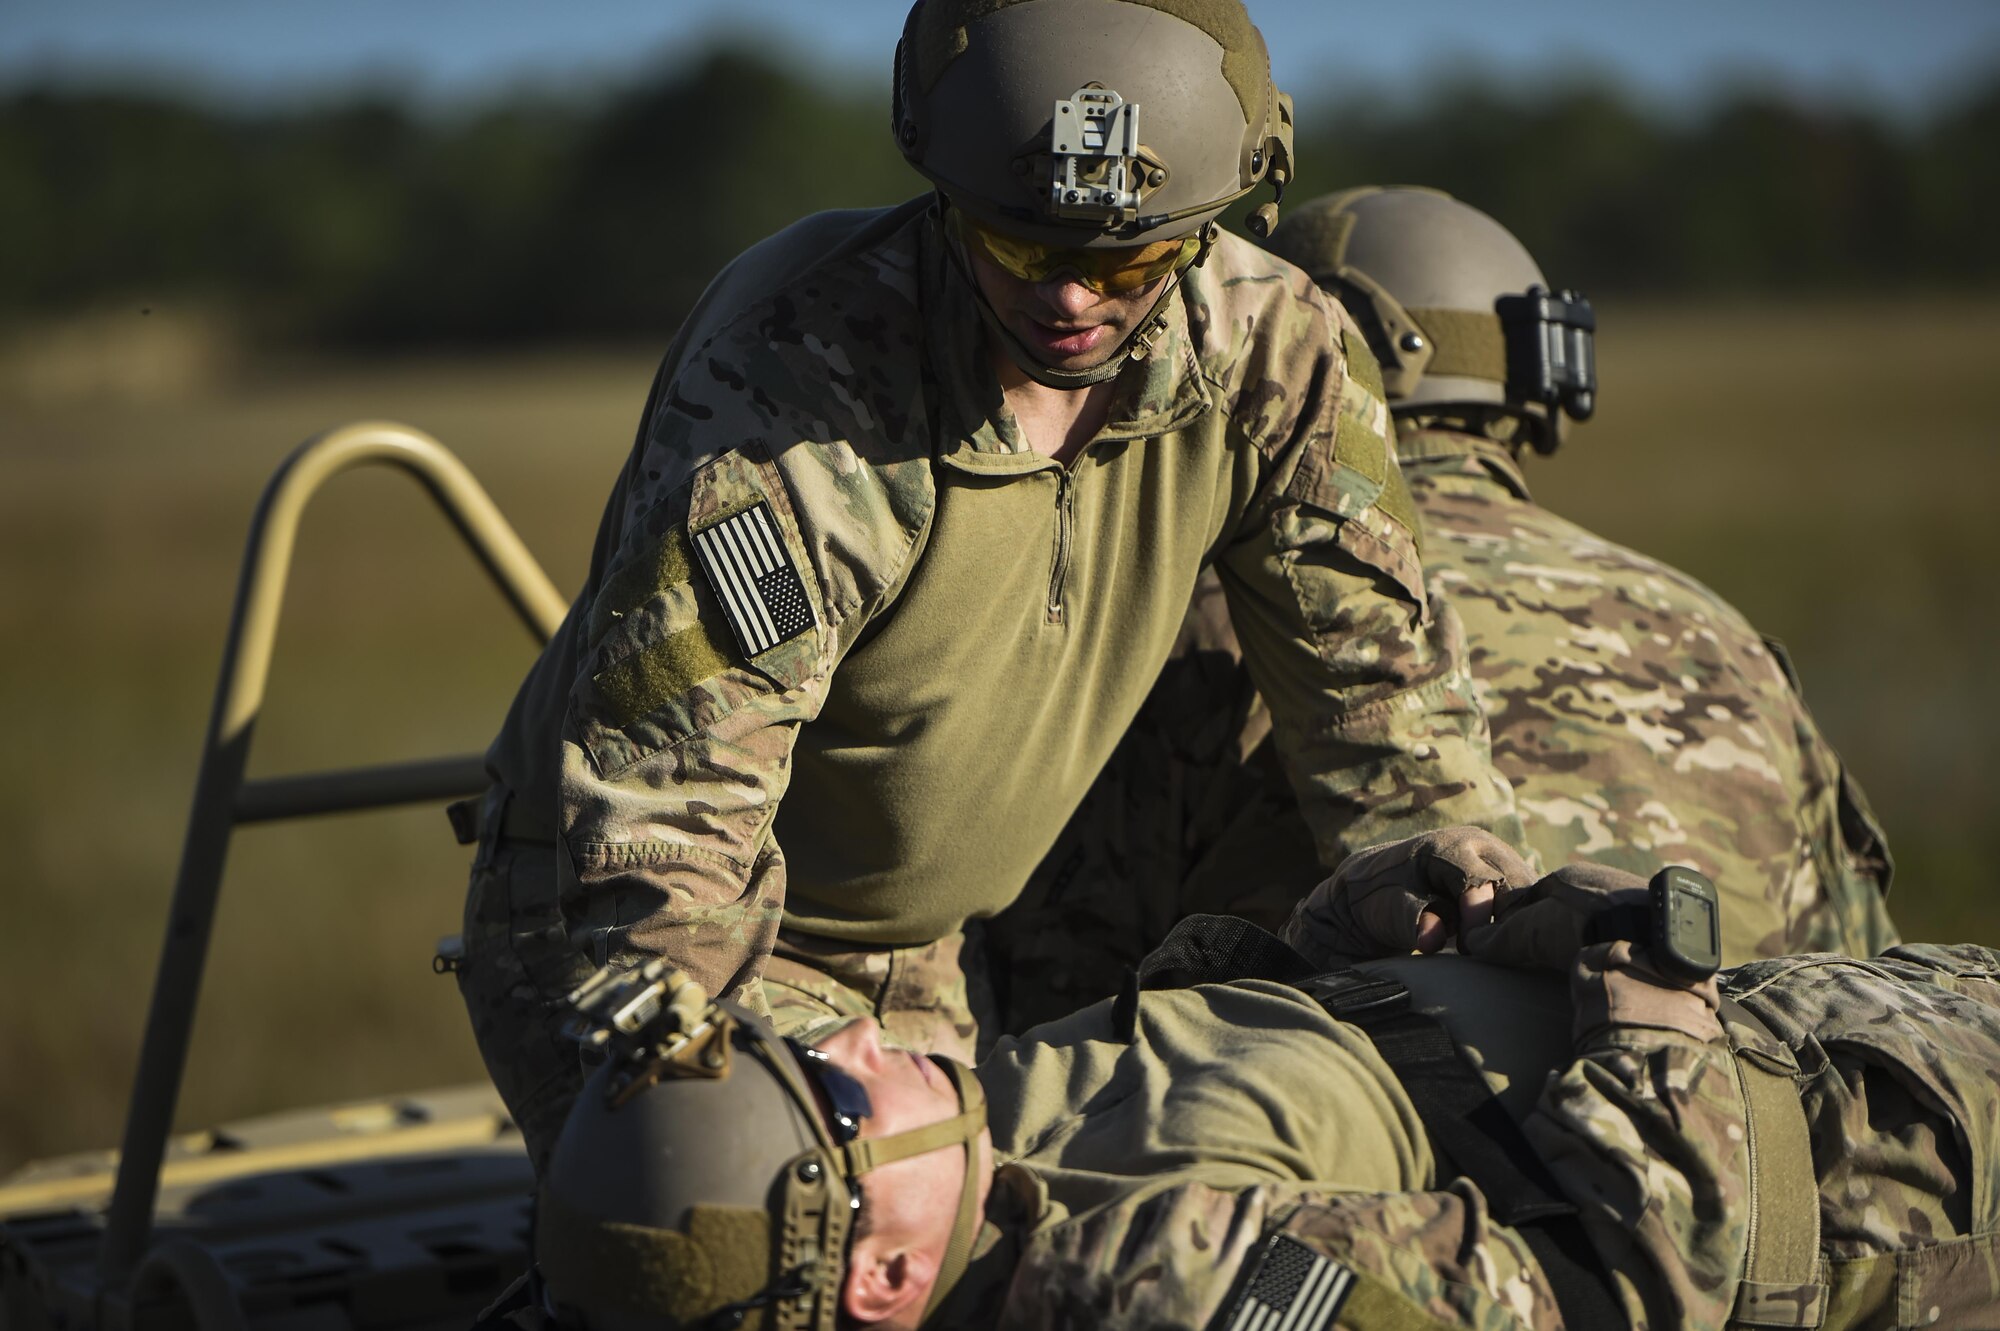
(1595, 923)
(1615, 988)
(1408, 895)
(1547, 925)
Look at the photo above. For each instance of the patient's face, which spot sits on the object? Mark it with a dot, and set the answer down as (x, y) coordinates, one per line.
(917, 1196)
(906, 1090)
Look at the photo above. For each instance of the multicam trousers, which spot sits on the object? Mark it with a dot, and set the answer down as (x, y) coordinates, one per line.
(517, 969)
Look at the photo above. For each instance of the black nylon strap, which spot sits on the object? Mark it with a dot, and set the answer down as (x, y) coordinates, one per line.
(1576, 1277)
(1207, 949)
(1215, 949)
(1470, 1131)
(1466, 1123)
(1474, 1134)
(503, 1313)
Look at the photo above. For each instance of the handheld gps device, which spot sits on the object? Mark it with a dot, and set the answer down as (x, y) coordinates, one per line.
(1685, 932)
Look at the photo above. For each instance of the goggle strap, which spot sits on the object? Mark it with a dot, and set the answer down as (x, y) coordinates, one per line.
(1470, 344)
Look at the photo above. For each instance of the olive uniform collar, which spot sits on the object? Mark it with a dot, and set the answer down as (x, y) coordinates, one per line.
(1437, 451)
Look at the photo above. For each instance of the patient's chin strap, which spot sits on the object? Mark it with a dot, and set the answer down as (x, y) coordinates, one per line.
(963, 1128)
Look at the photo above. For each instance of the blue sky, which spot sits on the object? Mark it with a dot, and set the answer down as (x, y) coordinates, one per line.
(1901, 53)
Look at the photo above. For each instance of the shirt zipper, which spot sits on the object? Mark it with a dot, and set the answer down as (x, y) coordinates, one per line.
(1065, 512)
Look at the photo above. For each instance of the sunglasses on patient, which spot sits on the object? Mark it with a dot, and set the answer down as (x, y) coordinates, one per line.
(845, 1100)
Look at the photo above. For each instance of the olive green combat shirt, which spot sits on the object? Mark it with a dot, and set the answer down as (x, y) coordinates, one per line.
(1150, 1160)
(984, 622)
(1640, 718)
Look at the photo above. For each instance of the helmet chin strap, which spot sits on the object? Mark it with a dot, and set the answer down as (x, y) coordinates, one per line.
(1047, 375)
(871, 1153)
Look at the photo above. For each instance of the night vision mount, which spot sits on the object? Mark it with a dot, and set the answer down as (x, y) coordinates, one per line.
(1099, 171)
(653, 1023)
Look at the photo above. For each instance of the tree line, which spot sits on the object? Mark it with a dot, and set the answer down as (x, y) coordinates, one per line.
(538, 217)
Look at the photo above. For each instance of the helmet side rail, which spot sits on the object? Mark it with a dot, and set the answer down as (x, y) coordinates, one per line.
(223, 798)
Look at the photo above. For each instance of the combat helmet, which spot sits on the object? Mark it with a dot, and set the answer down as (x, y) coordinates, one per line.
(697, 1183)
(1090, 125)
(1453, 306)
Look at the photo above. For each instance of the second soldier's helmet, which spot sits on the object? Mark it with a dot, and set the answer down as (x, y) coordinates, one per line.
(706, 1176)
(1088, 123)
(1453, 306)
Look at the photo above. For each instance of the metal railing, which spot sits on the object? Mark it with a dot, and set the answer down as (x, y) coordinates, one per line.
(223, 798)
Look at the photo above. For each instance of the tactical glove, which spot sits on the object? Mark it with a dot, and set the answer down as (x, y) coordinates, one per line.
(1592, 921)
(1547, 925)
(1615, 989)
(1377, 900)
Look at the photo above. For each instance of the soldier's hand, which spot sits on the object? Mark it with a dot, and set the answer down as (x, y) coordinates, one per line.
(1405, 896)
(1547, 925)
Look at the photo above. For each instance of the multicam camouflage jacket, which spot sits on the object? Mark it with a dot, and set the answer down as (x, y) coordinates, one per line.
(1640, 718)
(850, 651)
(1188, 1166)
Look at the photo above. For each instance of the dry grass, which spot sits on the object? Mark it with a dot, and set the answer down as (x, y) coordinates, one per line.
(1829, 468)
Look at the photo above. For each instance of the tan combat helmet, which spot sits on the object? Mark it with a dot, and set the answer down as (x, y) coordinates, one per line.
(1453, 306)
(699, 1184)
(1080, 125)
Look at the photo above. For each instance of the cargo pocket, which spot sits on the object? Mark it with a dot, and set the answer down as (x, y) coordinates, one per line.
(1966, 961)
(1366, 550)
(1955, 1283)
(1349, 493)
(1386, 545)
(717, 608)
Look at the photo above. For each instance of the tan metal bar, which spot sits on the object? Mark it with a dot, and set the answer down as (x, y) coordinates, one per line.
(420, 1138)
(239, 695)
(276, 527)
(360, 788)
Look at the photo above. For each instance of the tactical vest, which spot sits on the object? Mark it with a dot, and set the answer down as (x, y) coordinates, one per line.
(1473, 1045)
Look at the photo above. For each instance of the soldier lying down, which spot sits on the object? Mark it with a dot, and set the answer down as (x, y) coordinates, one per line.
(1803, 1141)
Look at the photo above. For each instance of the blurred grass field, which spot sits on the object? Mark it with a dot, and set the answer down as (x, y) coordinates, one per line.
(1831, 468)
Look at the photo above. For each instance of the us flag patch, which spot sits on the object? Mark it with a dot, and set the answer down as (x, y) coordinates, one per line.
(761, 592)
(1295, 1289)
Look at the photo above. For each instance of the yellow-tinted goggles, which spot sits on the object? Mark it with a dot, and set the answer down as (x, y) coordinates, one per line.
(1114, 272)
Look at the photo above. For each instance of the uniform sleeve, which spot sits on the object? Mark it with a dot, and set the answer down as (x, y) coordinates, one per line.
(754, 537)
(678, 737)
(1644, 1131)
(1363, 666)
(1195, 1257)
